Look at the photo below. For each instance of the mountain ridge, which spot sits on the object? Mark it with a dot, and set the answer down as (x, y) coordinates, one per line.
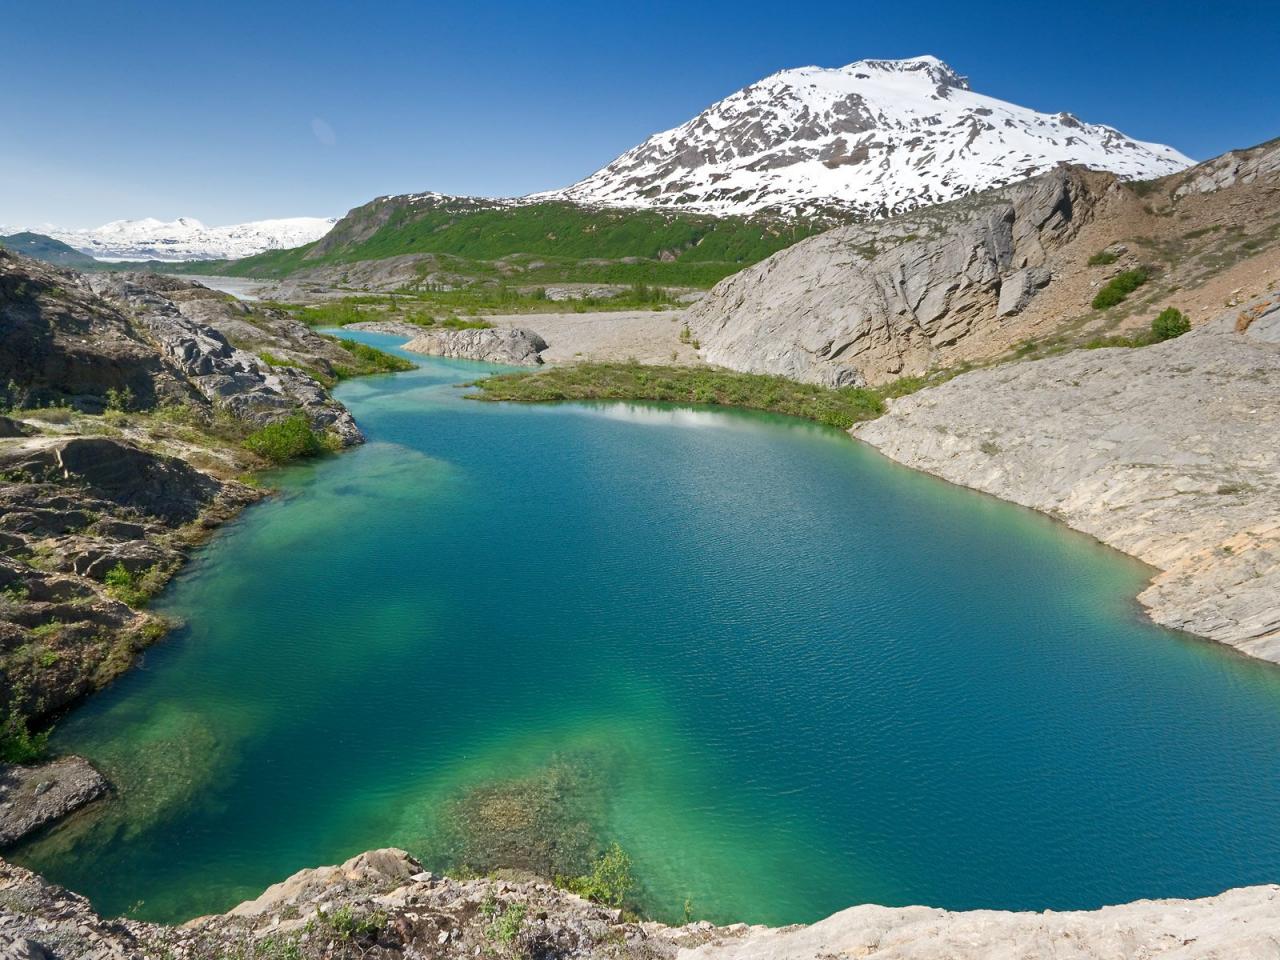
(186, 238)
(872, 138)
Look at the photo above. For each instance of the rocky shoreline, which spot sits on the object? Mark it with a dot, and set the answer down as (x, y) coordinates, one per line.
(1167, 453)
(383, 904)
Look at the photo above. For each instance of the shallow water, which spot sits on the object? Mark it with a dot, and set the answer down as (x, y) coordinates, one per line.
(784, 673)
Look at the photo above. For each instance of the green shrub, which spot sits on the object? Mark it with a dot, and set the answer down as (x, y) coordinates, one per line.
(1102, 258)
(18, 744)
(1119, 287)
(609, 881)
(507, 926)
(290, 439)
(1171, 322)
(120, 401)
(345, 924)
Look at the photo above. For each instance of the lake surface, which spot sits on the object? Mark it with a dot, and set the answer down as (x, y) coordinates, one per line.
(784, 674)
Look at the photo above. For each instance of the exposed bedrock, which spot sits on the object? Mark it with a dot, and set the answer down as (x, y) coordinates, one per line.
(518, 347)
(874, 301)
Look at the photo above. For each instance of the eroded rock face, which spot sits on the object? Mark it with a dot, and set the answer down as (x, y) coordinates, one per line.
(517, 347)
(162, 487)
(1166, 452)
(872, 302)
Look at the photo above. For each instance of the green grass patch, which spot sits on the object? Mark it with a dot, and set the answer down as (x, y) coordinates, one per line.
(1102, 258)
(135, 589)
(1119, 287)
(837, 407)
(371, 360)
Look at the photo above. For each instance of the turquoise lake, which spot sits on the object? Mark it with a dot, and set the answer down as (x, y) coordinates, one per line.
(784, 674)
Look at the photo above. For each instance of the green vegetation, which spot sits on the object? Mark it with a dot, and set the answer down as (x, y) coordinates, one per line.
(120, 400)
(291, 439)
(609, 881)
(1102, 258)
(135, 589)
(18, 744)
(372, 360)
(837, 407)
(1119, 287)
(505, 927)
(345, 925)
(1171, 322)
(540, 242)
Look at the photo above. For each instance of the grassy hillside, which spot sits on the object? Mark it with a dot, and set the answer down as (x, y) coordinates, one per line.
(538, 243)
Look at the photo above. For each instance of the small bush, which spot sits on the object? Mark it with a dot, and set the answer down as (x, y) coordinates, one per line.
(1119, 287)
(290, 439)
(1171, 322)
(345, 924)
(1102, 258)
(120, 401)
(505, 928)
(609, 881)
(18, 744)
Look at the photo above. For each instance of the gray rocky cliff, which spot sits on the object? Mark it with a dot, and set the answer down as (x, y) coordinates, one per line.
(871, 302)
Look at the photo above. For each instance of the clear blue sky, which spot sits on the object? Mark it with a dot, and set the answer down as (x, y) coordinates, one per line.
(233, 111)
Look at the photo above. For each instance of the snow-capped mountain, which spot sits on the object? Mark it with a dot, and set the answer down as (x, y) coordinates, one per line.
(873, 138)
(188, 239)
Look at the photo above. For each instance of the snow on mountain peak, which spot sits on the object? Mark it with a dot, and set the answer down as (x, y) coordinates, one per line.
(186, 238)
(873, 138)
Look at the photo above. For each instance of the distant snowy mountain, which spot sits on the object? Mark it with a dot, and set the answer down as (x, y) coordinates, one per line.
(188, 239)
(873, 138)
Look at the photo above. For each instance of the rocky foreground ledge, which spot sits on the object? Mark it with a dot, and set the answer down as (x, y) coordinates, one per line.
(382, 904)
(1170, 453)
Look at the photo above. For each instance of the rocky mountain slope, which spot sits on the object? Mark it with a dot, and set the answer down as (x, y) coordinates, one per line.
(874, 138)
(382, 905)
(188, 239)
(969, 280)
